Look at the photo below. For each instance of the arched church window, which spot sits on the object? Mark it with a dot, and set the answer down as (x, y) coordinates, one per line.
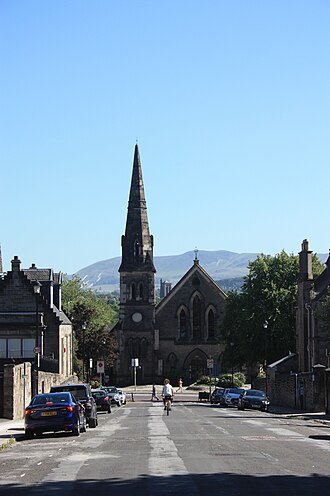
(141, 291)
(131, 348)
(133, 292)
(183, 325)
(144, 347)
(210, 325)
(197, 318)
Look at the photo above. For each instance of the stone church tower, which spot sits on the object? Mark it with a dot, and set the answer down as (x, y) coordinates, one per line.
(135, 329)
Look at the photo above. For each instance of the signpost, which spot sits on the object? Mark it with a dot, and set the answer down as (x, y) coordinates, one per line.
(100, 369)
(135, 363)
(209, 364)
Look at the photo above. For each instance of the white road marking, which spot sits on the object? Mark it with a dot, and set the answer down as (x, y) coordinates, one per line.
(164, 459)
(284, 432)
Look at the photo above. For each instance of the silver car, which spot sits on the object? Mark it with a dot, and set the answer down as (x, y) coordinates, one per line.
(122, 396)
(231, 396)
(113, 394)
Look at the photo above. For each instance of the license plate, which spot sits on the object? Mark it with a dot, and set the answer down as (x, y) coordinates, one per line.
(255, 406)
(48, 414)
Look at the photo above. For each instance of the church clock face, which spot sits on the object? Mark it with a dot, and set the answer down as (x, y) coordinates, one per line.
(137, 317)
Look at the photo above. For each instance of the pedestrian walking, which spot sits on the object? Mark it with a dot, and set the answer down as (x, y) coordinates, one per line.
(154, 393)
(180, 384)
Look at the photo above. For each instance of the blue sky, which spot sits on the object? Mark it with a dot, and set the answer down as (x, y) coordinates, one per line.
(229, 101)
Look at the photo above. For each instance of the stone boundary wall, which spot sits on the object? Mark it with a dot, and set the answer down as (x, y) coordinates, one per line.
(305, 391)
(17, 387)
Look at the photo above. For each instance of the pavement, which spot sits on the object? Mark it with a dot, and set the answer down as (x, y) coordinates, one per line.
(15, 428)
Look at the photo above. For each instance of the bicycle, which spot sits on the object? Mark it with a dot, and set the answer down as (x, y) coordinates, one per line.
(168, 403)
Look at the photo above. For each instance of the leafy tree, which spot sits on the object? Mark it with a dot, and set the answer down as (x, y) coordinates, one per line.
(259, 323)
(92, 317)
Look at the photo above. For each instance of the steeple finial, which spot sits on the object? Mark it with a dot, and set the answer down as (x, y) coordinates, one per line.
(196, 261)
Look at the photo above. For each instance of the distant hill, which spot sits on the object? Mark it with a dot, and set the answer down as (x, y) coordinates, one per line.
(225, 267)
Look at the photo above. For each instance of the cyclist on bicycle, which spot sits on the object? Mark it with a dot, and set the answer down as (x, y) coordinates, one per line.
(167, 393)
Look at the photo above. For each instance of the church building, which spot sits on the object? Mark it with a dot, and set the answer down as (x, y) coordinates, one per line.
(178, 337)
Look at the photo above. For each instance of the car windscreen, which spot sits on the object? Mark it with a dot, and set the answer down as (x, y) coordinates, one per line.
(253, 392)
(79, 392)
(99, 394)
(51, 399)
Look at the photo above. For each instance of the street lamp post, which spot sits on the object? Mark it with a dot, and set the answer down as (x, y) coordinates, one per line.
(36, 289)
(265, 325)
(84, 350)
(232, 363)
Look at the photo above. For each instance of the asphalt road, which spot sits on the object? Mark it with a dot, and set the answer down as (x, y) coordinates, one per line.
(199, 449)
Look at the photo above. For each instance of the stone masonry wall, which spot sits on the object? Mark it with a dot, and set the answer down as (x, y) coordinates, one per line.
(18, 387)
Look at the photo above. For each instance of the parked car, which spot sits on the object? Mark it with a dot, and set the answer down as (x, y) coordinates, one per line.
(216, 395)
(112, 392)
(102, 399)
(231, 396)
(253, 398)
(83, 394)
(53, 412)
(122, 396)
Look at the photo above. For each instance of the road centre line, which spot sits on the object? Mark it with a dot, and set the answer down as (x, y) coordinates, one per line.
(164, 460)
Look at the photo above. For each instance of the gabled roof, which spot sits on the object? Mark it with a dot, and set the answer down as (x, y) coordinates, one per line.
(195, 269)
(35, 274)
(322, 283)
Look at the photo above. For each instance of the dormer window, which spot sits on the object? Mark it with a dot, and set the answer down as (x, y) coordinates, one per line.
(137, 250)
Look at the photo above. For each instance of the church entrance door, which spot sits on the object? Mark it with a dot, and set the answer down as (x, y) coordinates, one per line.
(196, 368)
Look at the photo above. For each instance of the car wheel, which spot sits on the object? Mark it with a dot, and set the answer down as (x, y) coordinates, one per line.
(83, 427)
(29, 433)
(76, 430)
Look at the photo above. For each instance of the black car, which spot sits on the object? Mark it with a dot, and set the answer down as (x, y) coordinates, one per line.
(216, 395)
(103, 401)
(53, 412)
(84, 395)
(255, 399)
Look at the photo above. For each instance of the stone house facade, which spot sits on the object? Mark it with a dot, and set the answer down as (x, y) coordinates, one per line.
(302, 380)
(33, 327)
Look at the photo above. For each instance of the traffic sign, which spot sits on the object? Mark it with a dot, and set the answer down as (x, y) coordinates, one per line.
(100, 367)
(209, 363)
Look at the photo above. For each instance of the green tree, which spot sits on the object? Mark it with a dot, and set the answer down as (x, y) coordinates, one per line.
(92, 316)
(259, 323)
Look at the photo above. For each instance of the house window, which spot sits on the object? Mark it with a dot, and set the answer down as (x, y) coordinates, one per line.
(197, 319)
(3, 348)
(17, 348)
(14, 348)
(27, 348)
(210, 324)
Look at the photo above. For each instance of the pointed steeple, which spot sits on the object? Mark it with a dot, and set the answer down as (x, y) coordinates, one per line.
(137, 244)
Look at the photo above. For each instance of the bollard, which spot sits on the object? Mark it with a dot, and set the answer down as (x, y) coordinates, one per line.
(132, 396)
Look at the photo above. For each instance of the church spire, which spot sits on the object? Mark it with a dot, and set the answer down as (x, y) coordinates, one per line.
(137, 244)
